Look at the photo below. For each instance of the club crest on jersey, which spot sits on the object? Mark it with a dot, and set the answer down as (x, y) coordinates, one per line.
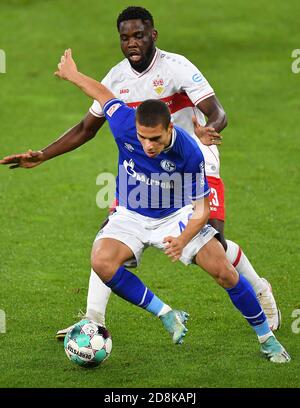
(158, 85)
(167, 165)
(129, 147)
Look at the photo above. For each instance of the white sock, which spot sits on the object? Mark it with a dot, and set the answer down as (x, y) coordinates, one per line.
(165, 309)
(97, 299)
(238, 259)
(264, 338)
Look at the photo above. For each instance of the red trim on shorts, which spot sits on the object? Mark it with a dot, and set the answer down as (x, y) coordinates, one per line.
(112, 207)
(216, 198)
(236, 262)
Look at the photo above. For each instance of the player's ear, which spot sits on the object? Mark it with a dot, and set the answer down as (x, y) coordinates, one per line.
(154, 35)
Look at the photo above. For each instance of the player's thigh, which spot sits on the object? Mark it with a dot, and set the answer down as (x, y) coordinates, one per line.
(212, 259)
(126, 228)
(219, 226)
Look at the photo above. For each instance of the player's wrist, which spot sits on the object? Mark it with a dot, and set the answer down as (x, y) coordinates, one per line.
(75, 77)
(45, 155)
(183, 240)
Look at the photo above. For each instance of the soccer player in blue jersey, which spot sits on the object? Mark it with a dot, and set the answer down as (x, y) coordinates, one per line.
(167, 209)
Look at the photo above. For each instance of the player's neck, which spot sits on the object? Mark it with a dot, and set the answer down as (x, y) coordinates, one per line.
(170, 141)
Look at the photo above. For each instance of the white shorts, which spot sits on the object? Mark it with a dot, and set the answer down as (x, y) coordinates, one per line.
(139, 232)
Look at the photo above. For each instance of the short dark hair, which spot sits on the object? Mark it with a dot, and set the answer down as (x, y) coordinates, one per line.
(153, 112)
(135, 13)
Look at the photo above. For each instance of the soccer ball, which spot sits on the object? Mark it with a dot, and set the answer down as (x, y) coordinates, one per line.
(87, 343)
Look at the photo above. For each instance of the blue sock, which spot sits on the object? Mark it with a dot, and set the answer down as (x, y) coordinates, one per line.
(244, 299)
(129, 287)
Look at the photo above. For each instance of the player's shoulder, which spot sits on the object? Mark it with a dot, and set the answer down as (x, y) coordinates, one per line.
(121, 67)
(174, 60)
(117, 108)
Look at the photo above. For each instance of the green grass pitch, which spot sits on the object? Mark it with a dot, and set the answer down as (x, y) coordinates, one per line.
(49, 215)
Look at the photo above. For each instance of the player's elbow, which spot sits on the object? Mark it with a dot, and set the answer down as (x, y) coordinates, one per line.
(86, 132)
(202, 210)
(206, 213)
(223, 119)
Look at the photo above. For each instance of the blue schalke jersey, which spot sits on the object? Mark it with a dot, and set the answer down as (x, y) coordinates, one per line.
(155, 187)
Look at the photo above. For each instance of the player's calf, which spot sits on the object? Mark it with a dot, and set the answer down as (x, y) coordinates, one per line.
(244, 299)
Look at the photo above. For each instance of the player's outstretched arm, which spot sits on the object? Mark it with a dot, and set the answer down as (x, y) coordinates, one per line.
(70, 140)
(67, 70)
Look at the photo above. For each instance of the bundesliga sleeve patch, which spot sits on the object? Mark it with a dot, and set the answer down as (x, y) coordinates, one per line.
(113, 109)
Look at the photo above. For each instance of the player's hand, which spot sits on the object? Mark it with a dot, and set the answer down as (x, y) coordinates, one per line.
(207, 135)
(67, 67)
(174, 247)
(26, 160)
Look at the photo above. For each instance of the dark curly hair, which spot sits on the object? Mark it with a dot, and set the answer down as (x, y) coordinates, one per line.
(135, 13)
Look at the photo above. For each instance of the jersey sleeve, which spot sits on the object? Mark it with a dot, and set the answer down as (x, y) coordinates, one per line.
(196, 183)
(96, 109)
(120, 117)
(189, 79)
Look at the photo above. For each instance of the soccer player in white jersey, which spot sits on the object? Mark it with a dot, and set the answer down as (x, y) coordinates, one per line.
(165, 169)
(148, 72)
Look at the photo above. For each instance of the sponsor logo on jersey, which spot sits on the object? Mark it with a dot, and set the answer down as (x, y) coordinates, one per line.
(129, 166)
(197, 77)
(112, 109)
(168, 165)
(142, 178)
(129, 147)
(158, 85)
(124, 91)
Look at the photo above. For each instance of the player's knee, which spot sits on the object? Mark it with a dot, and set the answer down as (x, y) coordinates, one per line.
(226, 275)
(104, 266)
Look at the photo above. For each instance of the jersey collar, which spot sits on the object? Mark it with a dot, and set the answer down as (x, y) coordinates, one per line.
(154, 59)
(174, 136)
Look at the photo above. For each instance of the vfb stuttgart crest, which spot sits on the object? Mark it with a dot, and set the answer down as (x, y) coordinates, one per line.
(158, 85)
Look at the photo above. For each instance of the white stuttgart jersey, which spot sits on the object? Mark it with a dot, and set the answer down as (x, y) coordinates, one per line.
(173, 79)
